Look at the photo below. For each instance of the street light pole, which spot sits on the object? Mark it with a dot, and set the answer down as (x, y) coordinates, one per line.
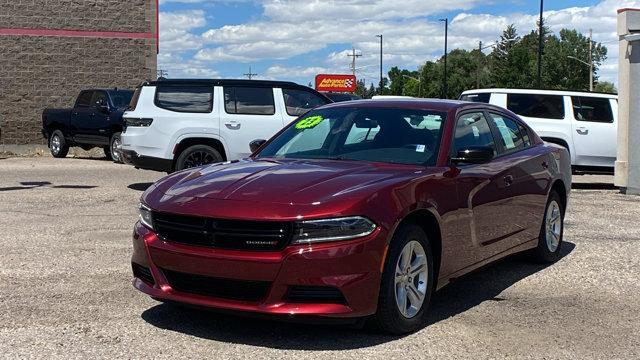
(380, 36)
(445, 89)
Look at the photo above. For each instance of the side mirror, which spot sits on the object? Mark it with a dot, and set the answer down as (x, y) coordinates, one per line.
(255, 144)
(473, 155)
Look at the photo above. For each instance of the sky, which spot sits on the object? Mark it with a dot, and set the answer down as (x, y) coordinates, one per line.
(296, 39)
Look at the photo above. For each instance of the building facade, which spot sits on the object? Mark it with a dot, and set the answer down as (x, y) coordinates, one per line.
(50, 50)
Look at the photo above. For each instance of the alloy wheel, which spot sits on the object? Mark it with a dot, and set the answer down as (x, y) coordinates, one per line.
(55, 144)
(553, 226)
(198, 158)
(115, 154)
(411, 278)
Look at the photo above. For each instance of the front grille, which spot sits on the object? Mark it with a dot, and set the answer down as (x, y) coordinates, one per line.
(143, 273)
(315, 294)
(221, 233)
(217, 287)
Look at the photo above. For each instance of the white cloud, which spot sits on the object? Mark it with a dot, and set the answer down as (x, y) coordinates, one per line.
(175, 30)
(179, 67)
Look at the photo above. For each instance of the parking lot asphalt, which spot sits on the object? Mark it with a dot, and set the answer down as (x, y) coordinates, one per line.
(65, 285)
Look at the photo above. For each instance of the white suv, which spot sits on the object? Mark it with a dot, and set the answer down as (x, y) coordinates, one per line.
(177, 124)
(585, 123)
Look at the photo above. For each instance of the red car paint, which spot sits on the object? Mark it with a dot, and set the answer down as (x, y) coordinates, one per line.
(479, 218)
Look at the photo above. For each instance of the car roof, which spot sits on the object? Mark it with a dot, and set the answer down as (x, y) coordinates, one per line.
(539, 92)
(227, 82)
(414, 103)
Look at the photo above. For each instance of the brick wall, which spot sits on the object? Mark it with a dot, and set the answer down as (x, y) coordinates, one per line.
(37, 72)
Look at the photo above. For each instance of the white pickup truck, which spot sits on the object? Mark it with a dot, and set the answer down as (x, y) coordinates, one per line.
(583, 122)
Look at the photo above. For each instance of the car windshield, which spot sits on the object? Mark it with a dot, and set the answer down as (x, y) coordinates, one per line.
(393, 135)
(121, 98)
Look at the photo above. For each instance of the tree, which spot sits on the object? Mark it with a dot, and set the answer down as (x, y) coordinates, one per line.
(605, 87)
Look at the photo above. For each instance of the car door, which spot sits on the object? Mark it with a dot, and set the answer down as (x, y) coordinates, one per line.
(249, 113)
(594, 131)
(483, 189)
(99, 123)
(526, 169)
(81, 116)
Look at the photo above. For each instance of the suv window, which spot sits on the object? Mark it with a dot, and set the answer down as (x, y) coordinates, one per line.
(249, 100)
(299, 101)
(84, 99)
(481, 98)
(592, 109)
(510, 133)
(195, 99)
(536, 105)
(99, 98)
(472, 130)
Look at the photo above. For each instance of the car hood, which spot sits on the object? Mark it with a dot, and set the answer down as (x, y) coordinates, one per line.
(288, 181)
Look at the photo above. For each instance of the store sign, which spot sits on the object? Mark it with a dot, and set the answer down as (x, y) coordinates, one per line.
(336, 82)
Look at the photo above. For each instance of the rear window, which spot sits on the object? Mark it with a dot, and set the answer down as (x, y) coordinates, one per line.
(536, 105)
(480, 98)
(196, 99)
(592, 109)
(249, 100)
(299, 102)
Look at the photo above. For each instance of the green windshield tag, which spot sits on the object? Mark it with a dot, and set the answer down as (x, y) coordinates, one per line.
(309, 122)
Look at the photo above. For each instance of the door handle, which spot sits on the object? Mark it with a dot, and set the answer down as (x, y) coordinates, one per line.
(508, 180)
(232, 125)
(582, 130)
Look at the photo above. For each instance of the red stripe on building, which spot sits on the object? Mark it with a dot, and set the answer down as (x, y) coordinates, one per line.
(78, 33)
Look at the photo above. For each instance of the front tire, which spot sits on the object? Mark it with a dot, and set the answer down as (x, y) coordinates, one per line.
(551, 231)
(197, 155)
(57, 145)
(111, 151)
(407, 282)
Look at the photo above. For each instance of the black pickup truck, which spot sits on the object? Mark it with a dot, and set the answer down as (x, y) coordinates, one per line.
(94, 121)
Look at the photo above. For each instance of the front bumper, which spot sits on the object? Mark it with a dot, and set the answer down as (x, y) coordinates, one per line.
(145, 162)
(352, 267)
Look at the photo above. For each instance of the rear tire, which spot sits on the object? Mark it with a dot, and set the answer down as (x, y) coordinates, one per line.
(197, 155)
(57, 145)
(111, 151)
(407, 282)
(551, 231)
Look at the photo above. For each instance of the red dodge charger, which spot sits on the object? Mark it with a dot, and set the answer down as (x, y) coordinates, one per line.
(355, 210)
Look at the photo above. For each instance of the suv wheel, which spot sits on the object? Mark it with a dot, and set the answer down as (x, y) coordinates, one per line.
(57, 145)
(111, 151)
(197, 155)
(407, 282)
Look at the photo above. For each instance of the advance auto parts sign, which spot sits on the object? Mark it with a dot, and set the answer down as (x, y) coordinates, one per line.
(336, 82)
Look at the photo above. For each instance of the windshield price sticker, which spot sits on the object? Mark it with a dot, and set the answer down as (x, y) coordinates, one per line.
(309, 122)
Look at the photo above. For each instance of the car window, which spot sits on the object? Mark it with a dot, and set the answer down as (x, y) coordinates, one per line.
(299, 101)
(196, 99)
(481, 98)
(99, 98)
(592, 109)
(510, 133)
(536, 105)
(249, 100)
(84, 99)
(121, 98)
(360, 134)
(472, 130)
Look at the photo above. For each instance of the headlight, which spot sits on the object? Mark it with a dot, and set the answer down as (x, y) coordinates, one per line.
(313, 231)
(145, 216)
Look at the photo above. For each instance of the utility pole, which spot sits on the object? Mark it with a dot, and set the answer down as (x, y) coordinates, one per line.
(540, 45)
(591, 60)
(160, 73)
(250, 75)
(479, 64)
(353, 56)
(445, 87)
(380, 36)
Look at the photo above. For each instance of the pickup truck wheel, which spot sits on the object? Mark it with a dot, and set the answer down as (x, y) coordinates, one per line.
(111, 151)
(197, 155)
(57, 145)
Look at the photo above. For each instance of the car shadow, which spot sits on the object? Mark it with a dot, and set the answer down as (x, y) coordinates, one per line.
(593, 186)
(140, 186)
(458, 297)
(27, 185)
